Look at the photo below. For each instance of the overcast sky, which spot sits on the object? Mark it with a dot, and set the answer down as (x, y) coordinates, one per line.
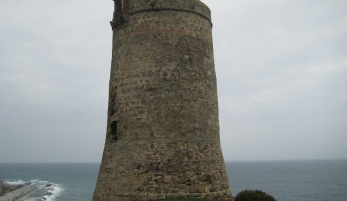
(281, 70)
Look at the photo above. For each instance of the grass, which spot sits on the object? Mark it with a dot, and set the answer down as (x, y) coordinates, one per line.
(186, 199)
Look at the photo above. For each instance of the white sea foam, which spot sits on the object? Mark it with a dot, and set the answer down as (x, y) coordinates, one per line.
(55, 191)
(14, 182)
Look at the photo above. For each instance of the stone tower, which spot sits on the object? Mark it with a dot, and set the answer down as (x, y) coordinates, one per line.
(162, 136)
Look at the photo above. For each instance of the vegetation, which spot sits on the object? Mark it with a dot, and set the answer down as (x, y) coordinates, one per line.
(253, 195)
(186, 199)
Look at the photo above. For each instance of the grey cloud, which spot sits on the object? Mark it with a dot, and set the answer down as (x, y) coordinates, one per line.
(281, 78)
(281, 71)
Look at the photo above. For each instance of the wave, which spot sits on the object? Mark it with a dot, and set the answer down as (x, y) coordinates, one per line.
(14, 182)
(34, 190)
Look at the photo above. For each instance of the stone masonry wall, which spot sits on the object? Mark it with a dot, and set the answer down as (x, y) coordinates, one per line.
(162, 136)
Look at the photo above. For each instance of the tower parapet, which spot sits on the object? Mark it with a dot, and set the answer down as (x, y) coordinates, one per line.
(193, 6)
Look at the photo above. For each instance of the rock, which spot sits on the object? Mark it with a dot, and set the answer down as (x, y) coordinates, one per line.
(5, 189)
(193, 189)
(1, 187)
(167, 179)
(158, 189)
(175, 179)
(15, 192)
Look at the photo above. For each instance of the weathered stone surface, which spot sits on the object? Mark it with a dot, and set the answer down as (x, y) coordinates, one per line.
(162, 136)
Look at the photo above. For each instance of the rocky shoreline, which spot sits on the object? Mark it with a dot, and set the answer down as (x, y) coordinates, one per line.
(9, 188)
(1, 187)
(22, 192)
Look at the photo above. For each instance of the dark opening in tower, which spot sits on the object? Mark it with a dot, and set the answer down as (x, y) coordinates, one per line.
(114, 130)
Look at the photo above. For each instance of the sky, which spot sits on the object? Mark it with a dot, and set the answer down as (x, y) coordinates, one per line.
(281, 70)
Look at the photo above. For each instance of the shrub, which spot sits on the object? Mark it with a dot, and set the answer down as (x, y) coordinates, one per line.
(185, 199)
(253, 195)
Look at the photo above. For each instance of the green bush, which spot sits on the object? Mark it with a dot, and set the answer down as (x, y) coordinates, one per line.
(253, 195)
(185, 199)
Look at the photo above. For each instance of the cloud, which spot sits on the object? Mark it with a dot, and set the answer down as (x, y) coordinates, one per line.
(55, 60)
(281, 78)
(281, 71)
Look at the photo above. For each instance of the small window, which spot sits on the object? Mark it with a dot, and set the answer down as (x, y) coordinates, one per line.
(114, 131)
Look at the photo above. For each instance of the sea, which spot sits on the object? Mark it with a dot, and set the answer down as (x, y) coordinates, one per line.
(304, 180)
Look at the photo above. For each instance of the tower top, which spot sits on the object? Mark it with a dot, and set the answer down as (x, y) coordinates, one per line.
(137, 6)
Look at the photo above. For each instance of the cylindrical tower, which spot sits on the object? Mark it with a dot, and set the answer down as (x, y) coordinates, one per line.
(162, 136)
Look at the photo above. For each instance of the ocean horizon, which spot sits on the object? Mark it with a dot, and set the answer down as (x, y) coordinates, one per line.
(286, 180)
